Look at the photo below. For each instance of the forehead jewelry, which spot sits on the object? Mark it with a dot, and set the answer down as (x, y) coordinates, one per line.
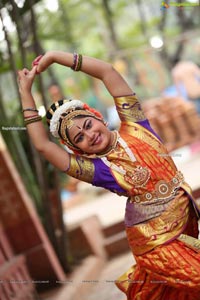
(68, 122)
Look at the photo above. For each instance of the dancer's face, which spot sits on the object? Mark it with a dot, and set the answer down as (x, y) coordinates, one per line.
(90, 135)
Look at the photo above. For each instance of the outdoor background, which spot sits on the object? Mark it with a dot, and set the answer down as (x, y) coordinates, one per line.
(142, 39)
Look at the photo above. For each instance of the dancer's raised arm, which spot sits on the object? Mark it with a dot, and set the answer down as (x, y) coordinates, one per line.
(97, 68)
(37, 132)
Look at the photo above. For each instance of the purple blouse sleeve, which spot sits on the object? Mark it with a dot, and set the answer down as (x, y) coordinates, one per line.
(94, 171)
(104, 178)
(146, 124)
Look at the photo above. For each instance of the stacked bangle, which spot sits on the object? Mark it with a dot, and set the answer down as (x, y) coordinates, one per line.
(32, 119)
(29, 109)
(29, 117)
(77, 63)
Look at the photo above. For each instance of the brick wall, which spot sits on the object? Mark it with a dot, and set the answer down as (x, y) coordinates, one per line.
(174, 120)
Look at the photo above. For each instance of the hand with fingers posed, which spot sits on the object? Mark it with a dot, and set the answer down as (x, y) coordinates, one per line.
(25, 79)
(43, 61)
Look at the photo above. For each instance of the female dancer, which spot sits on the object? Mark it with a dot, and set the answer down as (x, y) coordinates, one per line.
(160, 219)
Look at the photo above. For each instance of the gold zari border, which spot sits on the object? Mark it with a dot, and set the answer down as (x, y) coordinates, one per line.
(129, 108)
(190, 241)
(81, 168)
(163, 190)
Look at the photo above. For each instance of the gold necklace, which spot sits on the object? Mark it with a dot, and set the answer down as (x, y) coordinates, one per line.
(111, 147)
(127, 150)
(139, 175)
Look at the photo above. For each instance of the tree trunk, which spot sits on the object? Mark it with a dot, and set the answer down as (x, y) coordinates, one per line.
(142, 16)
(113, 41)
(69, 28)
(11, 58)
(19, 24)
(59, 241)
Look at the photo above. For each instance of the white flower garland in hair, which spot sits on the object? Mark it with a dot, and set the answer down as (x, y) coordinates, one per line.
(59, 111)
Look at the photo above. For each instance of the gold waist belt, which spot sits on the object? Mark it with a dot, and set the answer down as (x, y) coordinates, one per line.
(190, 241)
(164, 190)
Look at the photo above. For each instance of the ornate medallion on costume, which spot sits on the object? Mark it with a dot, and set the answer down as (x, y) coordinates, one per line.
(138, 177)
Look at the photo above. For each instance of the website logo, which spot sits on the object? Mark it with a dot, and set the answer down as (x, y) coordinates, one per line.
(167, 4)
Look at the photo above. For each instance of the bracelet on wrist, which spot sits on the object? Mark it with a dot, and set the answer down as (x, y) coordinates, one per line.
(30, 109)
(77, 63)
(32, 120)
(29, 117)
(74, 61)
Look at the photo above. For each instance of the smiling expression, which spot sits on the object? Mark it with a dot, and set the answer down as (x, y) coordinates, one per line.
(90, 135)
